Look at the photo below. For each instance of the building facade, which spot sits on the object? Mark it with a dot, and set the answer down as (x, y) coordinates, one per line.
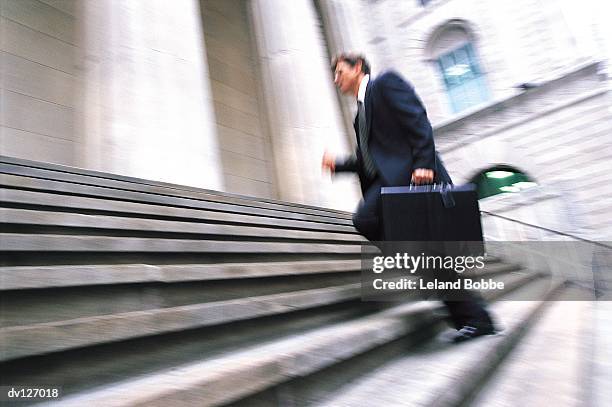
(510, 84)
(237, 95)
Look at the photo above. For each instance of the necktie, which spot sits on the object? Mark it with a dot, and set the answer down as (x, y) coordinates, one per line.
(368, 163)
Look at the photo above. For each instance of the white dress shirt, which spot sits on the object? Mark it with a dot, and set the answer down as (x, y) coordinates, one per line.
(362, 89)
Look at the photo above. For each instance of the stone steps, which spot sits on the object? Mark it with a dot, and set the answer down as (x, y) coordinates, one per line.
(22, 277)
(552, 358)
(93, 367)
(27, 340)
(174, 294)
(65, 222)
(95, 263)
(140, 193)
(235, 375)
(437, 373)
(128, 311)
(77, 175)
(601, 368)
(22, 242)
(47, 199)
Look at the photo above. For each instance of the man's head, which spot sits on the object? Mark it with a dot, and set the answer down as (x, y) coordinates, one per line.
(349, 69)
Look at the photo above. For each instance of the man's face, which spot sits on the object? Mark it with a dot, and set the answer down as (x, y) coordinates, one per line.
(346, 77)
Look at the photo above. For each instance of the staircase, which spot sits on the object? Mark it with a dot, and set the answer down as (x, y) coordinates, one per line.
(131, 292)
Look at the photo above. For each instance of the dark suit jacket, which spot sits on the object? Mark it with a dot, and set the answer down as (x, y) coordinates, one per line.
(400, 137)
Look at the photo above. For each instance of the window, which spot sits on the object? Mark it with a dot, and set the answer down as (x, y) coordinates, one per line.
(452, 50)
(464, 80)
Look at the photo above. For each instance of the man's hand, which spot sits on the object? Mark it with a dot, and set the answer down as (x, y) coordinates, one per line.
(328, 162)
(422, 176)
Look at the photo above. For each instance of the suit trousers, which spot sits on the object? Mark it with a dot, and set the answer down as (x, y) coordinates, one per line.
(366, 218)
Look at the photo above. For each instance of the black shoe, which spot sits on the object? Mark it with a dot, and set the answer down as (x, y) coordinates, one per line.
(468, 332)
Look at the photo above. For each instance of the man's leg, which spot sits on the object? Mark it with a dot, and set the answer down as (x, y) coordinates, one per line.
(367, 217)
(464, 307)
(468, 312)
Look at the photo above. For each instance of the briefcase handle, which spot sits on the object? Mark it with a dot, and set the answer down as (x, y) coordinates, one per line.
(447, 197)
(433, 186)
(445, 189)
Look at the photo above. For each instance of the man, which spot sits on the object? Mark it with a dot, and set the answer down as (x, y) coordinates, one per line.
(395, 147)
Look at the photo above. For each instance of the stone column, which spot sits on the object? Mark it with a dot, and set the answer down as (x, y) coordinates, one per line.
(304, 113)
(145, 106)
(341, 23)
(343, 33)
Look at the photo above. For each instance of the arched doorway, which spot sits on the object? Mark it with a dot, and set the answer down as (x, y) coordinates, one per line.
(501, 179)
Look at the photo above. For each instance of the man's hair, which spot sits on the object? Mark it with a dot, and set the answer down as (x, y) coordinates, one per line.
(352, 59)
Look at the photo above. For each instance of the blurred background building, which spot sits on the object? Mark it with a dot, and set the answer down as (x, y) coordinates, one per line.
(237, 95)
(518, 93)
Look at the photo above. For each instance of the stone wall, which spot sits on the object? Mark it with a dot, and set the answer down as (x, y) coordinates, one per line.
(559, 134)
(516, 41)
(37, 55)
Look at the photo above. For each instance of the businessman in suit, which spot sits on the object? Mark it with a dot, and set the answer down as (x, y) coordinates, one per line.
(395, 147)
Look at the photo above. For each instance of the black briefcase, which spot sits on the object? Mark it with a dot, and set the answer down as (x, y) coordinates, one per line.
(432, 213)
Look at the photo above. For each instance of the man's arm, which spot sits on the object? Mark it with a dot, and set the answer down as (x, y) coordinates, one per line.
(332, 164)
(401, 98)
(348, 164)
